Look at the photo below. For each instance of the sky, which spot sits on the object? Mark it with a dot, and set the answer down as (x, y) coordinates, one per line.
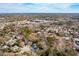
(39, 7)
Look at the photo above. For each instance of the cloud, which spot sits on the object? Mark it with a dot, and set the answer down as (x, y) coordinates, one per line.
(39, 8)
(60, 6)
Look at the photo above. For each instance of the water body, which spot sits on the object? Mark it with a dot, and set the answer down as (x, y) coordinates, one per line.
(41, 14)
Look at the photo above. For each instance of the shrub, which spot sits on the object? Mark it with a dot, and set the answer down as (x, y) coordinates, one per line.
(54, 52)
(51, 40)
(26, 32)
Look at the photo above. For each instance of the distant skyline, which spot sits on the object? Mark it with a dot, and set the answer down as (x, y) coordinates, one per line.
(39, 7)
